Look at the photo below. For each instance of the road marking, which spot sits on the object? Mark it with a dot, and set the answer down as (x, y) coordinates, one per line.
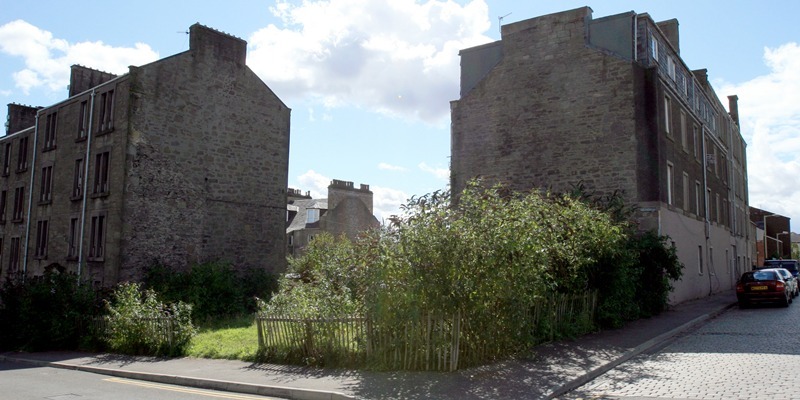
(181, 389)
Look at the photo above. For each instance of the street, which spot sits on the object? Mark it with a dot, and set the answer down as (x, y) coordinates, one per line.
(22, 381)
(742, 354)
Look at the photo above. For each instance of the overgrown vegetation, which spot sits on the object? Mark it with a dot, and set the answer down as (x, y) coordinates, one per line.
(44, 313)
(139, 323)
(215, 290)
(491, 256)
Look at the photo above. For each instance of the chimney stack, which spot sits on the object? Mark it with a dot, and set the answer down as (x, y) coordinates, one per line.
(733, 106)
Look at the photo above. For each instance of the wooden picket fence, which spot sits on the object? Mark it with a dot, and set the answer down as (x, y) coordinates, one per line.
(431, 341)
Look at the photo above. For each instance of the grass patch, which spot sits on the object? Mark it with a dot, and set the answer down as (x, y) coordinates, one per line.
(232, 339)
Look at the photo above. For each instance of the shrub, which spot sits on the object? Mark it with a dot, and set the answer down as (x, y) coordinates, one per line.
(491, 257)
(215, 290)
(319, 282)
(45, 312)
(138, 323)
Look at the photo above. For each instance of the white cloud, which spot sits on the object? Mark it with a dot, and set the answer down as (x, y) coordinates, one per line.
(314, 182)
(398, 58)
(769, 109)
(440, 173)
(48, 59)
(390, 167)
(387, 202)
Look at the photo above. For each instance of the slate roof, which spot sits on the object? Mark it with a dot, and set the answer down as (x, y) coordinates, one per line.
(300, 206)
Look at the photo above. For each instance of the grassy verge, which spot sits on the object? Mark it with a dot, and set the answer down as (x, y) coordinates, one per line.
(233, 339)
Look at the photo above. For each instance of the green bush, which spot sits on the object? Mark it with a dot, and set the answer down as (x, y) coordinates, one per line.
(491, 256)
(322, 281)
(215, 290)
(45, 312)
(138, 323)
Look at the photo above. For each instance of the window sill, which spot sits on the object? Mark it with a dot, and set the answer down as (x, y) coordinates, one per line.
(21, 170)
(17, 221)
(96, 260)
(104, 131)
(99, 195)
(80, 139)
(46, 149)
(45, 202)
(76, 198)
(72, 258)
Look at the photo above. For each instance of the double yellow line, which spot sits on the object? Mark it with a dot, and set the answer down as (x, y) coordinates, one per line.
(181, 389)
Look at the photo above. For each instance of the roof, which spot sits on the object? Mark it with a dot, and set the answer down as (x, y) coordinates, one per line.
(300, 206)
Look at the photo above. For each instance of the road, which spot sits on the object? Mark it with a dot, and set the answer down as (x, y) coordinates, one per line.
(742, 354)
(23, 382)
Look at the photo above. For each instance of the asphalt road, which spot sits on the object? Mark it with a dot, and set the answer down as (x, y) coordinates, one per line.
(25, 382)
(741, 354)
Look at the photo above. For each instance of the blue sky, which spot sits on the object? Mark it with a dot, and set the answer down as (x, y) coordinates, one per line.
(369, 82)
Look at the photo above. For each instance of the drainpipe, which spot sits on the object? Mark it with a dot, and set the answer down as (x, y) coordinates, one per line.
(706, 219)
(30, 199)
(90, 128)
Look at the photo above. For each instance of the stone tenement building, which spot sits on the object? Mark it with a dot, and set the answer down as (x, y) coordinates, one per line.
(180, 161)
(347, 211)
(565, 98)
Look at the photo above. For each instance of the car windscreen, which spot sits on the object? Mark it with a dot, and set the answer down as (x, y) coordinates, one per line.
(760, 276)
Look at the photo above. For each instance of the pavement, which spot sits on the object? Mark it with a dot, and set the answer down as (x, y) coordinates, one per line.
(548, 371)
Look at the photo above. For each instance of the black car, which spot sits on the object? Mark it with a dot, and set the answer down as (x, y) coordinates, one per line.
(792, 265)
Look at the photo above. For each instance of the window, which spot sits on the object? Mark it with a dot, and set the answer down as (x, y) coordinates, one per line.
(101, 173)
(22, 159)
(670, 177)
(684, 139)
(291, 240)
(685, 192)
(671, 67)
(697, 197)
(13, 259)
(19, 197)
(709, 212)
(717, 209)
(667, 112)
(654, 48)
(50, 131)
(41, 239)
(77, 180)
(7, 159)
(97, 238)
(74, 231)
(700, 259)
(694, 140)
(313, 215)
(105, 119)
(83, 120)
(3, 195)
(47, 185)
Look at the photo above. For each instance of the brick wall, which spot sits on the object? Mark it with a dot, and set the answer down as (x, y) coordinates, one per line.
(207, 161)
(551, 113)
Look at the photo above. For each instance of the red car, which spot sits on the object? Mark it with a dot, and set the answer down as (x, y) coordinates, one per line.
(762, 286)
